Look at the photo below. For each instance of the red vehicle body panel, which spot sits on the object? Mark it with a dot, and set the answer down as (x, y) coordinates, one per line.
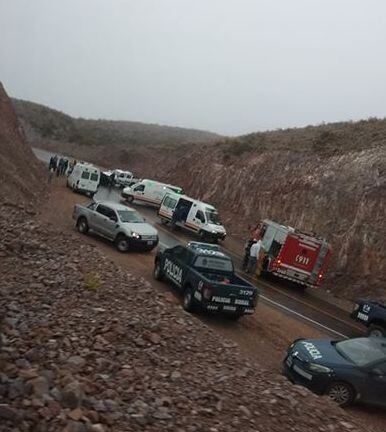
(297, 256)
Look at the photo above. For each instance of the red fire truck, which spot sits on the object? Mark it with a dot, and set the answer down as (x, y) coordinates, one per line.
(291, 254)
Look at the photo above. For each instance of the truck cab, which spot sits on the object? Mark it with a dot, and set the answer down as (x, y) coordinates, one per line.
(192, 215)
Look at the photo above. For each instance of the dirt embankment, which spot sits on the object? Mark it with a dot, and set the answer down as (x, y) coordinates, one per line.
(20, 174)
(89, 347)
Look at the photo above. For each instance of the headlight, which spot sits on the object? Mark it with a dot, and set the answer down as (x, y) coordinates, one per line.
(135, 235)
(319, 368)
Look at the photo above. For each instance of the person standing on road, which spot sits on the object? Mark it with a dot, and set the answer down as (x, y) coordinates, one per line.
(253, 256)
(59, 167)
(247, 248)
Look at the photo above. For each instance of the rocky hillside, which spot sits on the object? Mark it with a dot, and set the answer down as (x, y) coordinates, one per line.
(20, 174)
(86, 347)
(329, 179)
(52, 130)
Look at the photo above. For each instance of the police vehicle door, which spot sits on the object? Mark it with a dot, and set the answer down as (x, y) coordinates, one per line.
(175, 265)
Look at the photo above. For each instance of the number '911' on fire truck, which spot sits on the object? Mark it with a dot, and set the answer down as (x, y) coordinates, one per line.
(291, 254)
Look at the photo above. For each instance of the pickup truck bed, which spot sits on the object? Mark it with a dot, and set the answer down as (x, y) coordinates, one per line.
(216, 288)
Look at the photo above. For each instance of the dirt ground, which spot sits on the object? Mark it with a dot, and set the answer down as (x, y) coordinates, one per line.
(263, 336)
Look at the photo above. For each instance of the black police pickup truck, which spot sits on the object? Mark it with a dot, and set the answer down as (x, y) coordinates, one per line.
(372, 314)
(206, 277)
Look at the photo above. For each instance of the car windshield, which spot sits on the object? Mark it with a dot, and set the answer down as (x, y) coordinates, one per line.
(130, 216)
(212, 217)
(214, 263)
(362, 351)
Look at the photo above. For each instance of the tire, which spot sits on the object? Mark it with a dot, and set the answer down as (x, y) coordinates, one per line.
(130, 198)
(164, 221)
(82, 225)
(158, 273)
(203, 236)
(376, 331)
(122, 243)
(341, 393)
(188, 300)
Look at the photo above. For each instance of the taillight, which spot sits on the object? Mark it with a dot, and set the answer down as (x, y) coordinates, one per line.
(278, 263)
(207, 292)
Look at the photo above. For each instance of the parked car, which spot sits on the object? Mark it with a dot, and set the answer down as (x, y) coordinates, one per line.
(192, 215)
(123, 178)
(149, 192)
(346, 371)
(207, 279)
(371, 314)
(118, 223)
(84, 178)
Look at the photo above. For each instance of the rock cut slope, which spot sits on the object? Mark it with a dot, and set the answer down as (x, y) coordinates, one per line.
(20, 174)
(330, 180)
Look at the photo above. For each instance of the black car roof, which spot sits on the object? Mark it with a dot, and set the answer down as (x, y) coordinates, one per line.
(202, 251)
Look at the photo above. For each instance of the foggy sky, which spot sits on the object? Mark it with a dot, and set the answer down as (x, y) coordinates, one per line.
(230, 66)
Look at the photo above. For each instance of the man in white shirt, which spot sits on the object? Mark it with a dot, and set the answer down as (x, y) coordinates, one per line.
(253, 256)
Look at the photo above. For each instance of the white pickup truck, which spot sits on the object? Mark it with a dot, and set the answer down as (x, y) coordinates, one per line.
(118, 223)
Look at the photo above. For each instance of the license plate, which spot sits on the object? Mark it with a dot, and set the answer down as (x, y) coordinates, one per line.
(149, 242)
(289, 361)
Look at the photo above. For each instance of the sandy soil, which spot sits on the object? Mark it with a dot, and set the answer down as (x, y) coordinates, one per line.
(263, 336)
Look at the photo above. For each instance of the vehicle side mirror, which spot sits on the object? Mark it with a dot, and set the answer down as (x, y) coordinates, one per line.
(113, 218)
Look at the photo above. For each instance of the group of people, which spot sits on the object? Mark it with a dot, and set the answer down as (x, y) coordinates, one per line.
(254, 252)
(60, 166)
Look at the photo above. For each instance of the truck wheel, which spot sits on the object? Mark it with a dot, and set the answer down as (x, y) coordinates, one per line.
(164, 221)
(341, 393)
(122, 243)
(203, 236)
(376, 331)
(130, 198)
(82, 225)
(188, 300)
(158, 273)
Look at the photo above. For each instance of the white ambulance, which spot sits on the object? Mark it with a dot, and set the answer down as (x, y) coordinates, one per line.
(149, 192)
(192, 215)
(84, 178)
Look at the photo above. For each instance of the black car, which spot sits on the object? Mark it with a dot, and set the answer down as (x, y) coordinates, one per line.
(346, 371)
(371, 314)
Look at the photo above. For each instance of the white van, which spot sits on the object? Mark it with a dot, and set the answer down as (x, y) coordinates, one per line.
(84, 178)
(149, 192)
(123, 178)
(192, 215)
